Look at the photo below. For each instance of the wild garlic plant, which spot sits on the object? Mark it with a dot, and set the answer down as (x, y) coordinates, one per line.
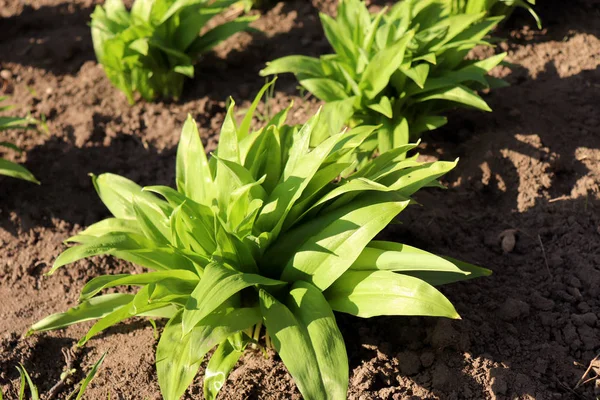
(153, 48)
(400, 68)
(9, 168)
(268, 232)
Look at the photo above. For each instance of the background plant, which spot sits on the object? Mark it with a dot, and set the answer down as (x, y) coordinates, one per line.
(9, 168)
(494, 7)
(26, 383)
(153, 48)
(265, 233)
(402, 67)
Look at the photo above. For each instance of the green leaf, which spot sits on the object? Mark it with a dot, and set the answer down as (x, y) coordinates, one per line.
(469, 271)
(219, 366)
(244, 128)
(217, 285)
(178, 356)
(26, 378)
(296, 65)
(94, 308)
(418, 74)
(128, 246)
(298, 172)
(323, 256)
(371, 293)
(378, 72)
(293, 345)
(459, 94)
(194, 179)
(341, 43)
(93, 287)
(389, 256)
(14, 170)
(89, 377)
(312, 311)
(325, 89)
(117, 194)
(105, 226)
(384, 107)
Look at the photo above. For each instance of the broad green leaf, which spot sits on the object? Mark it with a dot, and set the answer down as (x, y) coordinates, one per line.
(325, 89)
(117, 194)
(178, 356)
(219, 366)
(128, 246)
(341, 43)
(371, 293)
(14, 170)
(194, 178)
(458, 94)
(418, 74)
(292, 342)
(378, 72)
(384, 107)
(93, 287)
(427, 123)
(94, 308)
(217, 285)
(105, 226)
(139, 304)
(153, 222)
(470, 271)
(296, 65)
(311, 310)
(398, 257)
(297, 175)
(409, 180)
(325, 255)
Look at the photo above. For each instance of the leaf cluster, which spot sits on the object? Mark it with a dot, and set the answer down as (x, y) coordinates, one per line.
(401, 68)
(270, 231)
(494, 7)
(9, 168)
(153, 47)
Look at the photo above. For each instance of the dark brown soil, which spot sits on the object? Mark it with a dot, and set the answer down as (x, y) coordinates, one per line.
(529, 172)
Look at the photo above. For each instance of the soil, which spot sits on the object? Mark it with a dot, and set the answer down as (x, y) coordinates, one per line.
(524, 201)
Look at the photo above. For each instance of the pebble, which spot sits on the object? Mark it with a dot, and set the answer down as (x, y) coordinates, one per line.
(541, 303)
(427, 359)
(512, 309)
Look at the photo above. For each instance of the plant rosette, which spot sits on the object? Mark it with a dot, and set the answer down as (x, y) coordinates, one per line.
(266, 233)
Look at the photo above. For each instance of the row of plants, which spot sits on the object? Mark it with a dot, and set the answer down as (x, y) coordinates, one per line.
(261, 243)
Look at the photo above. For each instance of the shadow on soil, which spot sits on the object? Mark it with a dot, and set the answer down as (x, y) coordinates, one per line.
(54, 38)
(66, 192)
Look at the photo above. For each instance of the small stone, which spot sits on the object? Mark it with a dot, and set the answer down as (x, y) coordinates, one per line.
(514, 112)
(583, 307)
(541, 303)
(508, 240)
(574, 282)
(512, 309)
(590, 319)
(5, 74)
(427, 359)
